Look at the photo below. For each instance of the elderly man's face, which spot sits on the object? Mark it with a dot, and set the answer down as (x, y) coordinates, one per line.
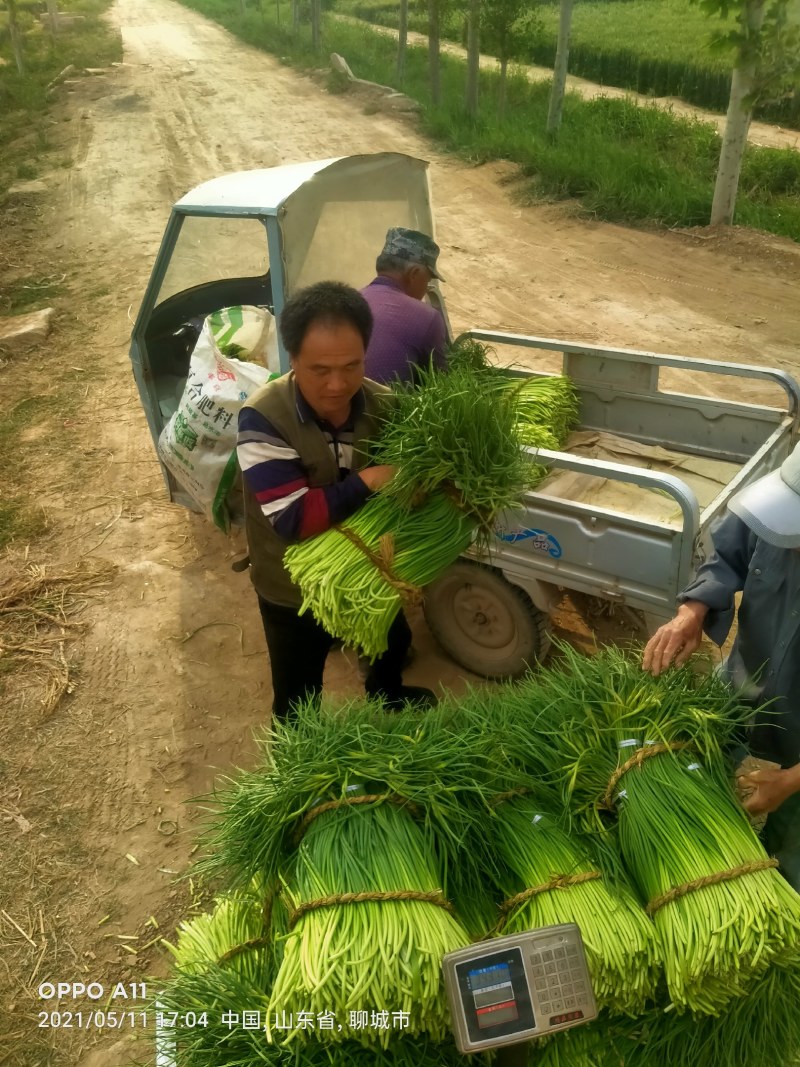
(329, 368)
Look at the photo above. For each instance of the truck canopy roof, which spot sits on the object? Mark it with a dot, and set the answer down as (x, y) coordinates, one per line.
(264, 192)
(250, 192)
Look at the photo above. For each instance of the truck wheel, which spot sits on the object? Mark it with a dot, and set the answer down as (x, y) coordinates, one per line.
(485, 623)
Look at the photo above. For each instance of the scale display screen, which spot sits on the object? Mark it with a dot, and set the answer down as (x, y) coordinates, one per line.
(516, 988)
(495, 995)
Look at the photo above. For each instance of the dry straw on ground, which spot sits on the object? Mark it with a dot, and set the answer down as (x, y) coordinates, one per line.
(38, 605)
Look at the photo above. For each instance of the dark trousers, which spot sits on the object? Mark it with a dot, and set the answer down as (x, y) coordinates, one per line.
(781, 837)
(298, 647)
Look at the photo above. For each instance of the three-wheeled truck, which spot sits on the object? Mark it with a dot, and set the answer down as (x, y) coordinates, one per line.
(624, 514)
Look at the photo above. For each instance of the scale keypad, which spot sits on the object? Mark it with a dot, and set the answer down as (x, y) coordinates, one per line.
(560, 981)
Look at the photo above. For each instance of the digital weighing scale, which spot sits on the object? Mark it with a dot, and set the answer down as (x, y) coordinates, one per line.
(517, 988)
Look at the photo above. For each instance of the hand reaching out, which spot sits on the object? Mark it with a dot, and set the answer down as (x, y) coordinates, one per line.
(675, 641)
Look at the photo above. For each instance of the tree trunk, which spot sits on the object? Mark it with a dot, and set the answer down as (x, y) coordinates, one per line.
(295, 15)
(560, 69)
(433, 51)
(402, 41)
(737, 123)
(473, 57)
(503, 80)
(52, 14)
(243, 5)
(16, 37)
(316, 24)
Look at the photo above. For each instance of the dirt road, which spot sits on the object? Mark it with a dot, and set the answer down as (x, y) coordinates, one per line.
(170, 677)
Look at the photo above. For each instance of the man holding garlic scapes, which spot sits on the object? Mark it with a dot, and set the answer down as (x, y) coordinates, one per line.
(303, 450)
(757, 552)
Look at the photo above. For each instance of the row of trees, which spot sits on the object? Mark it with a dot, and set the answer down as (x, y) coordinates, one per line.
(500, 27)
(764, 39)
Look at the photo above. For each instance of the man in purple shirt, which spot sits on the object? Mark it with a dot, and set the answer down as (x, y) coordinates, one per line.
(407, 332)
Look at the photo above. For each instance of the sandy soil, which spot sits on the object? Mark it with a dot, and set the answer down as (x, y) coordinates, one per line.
(170, 676)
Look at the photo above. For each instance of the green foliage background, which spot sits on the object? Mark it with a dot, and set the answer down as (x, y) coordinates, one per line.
(655, 47)
(621, 161)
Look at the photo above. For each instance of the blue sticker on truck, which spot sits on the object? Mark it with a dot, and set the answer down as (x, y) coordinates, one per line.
(542, 541)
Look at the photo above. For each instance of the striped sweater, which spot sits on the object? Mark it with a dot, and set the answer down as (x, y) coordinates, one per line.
(278, 479)
(299, 474)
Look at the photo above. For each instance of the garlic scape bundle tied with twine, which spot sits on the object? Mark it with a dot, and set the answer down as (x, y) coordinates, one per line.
(357, 576)
(369, 922)
(356, 814)
(644, 755)
(722, 911)
(541, 873)
(236, 928)
(224, 961)
(552, 878)
(456, 441)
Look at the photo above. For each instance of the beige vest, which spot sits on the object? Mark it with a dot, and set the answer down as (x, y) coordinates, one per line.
(276, 401)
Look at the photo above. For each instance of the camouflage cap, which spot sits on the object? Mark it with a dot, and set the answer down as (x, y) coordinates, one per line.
(414, 246)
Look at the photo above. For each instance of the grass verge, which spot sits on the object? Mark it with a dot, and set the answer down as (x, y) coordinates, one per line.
(34, 423)
(24, 294)
(23, 97)
(621, 161)
(654, 47)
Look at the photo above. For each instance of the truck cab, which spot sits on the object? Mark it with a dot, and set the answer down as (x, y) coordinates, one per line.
(254, 238)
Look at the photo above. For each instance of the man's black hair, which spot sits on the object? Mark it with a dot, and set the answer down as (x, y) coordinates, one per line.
(326, 302)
